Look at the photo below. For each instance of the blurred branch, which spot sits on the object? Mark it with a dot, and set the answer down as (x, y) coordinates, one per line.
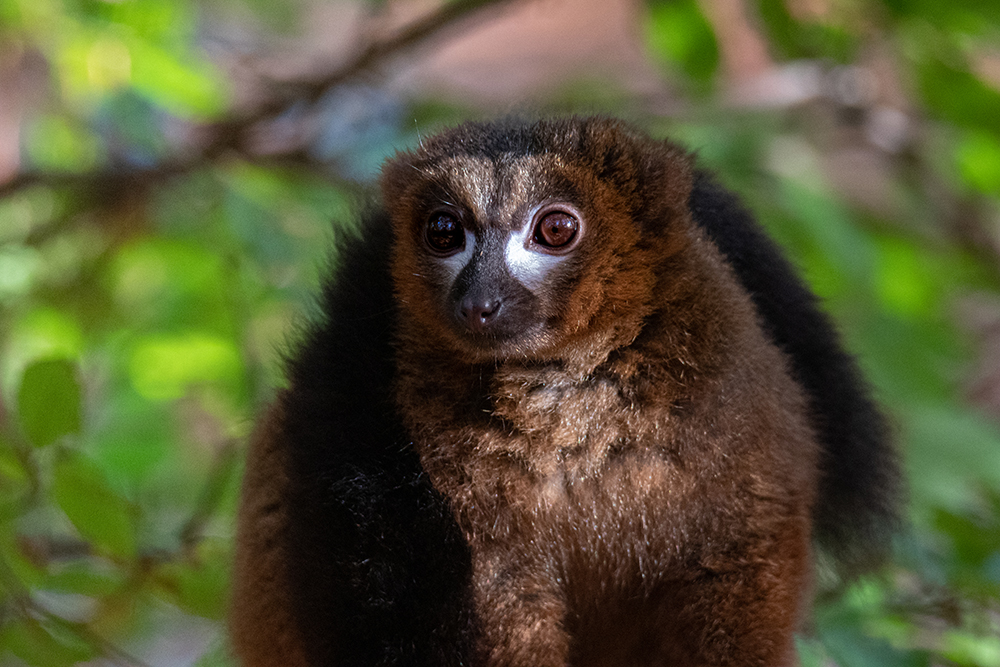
(101, 181)
(232, 133)
(311, 89)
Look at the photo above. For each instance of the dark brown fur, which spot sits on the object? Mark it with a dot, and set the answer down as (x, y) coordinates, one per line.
(625, 467)
(635, 480)
(262, 627)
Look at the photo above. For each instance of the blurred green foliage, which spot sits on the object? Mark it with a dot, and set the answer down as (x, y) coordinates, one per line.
(148, 282)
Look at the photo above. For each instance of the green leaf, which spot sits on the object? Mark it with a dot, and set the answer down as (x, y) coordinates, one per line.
(965, 648)
(850, 647)
(823, 231)
(55, 143)
(811, 652)
(842, 629)
(678, 33)
(178, 82)
(793, 39)
(780, 27)
(907, 279)
(14, 481)
(101, 515)
(44, 644)
(44, 333)
(199, 587)
(171, 286)
(956, 16)
(94, 577)
(163, 367)
(956, 95)
(49, 401)
(953, 452)
(978, 158)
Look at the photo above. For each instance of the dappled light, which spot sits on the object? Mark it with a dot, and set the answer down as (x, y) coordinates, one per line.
(172, 175)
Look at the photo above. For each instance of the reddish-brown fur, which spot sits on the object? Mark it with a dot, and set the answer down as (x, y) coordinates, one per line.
(262, 627)
(636, 481)
(629, 457)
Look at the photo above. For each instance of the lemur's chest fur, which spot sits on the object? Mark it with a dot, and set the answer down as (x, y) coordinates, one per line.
(518, 447)
(524, 447)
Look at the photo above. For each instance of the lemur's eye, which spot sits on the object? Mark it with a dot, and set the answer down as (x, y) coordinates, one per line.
(444, 233)
(556, 229)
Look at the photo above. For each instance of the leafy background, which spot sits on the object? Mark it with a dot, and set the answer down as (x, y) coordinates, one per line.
(169, 171)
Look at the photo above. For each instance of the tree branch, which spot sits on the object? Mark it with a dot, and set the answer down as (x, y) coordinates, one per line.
(229, 135)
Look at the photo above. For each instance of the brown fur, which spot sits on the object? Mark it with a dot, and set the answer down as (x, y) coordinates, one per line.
(261, 625)
(635, 473)
(505, 452)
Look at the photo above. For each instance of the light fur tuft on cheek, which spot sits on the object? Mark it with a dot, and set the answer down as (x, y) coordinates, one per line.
(529, 268)
(452, 265)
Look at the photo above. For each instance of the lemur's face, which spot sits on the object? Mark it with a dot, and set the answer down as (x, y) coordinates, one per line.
(514, 254)
(500, 249)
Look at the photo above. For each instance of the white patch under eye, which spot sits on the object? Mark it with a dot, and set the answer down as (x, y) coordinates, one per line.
(529, 267)
(453, 264)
